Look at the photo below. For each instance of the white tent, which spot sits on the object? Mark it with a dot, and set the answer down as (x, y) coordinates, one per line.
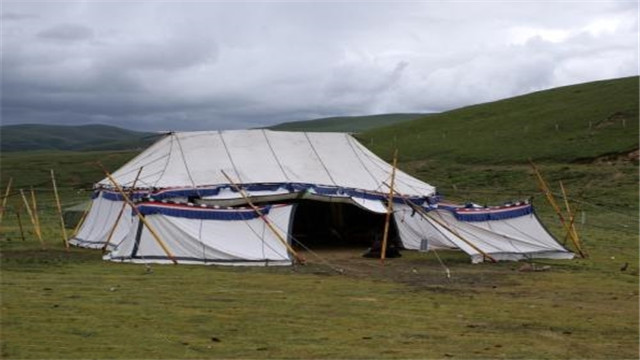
(500, 233)
(280, 171)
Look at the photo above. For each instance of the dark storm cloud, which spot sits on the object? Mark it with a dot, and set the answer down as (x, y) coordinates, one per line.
(220, 65)
(66, 32)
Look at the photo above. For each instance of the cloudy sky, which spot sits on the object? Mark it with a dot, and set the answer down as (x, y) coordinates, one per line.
(196, 65)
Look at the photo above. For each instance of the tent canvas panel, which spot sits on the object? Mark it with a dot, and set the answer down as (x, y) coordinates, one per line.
(98, 223)
(198, 240)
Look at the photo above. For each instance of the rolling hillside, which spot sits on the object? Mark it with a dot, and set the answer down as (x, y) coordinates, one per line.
(567, 124)
(78, 138)
(353, 124)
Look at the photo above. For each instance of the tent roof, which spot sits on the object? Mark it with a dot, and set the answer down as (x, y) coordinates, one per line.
(192, 159)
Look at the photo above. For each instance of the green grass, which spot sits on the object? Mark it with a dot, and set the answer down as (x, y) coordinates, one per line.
(58, 304)
(347, 123)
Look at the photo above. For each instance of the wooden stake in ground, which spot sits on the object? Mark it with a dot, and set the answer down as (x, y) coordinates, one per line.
(4, 199)
(115, 225)
(62, 227)
(36, 217)
(275, 231)
(141, 217)
(544, 187)
(385, 234)
(20, 222)
(571, 228)
(33, 221)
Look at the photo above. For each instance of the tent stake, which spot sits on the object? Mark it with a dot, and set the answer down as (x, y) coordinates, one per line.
(36, 217)
(385, 234)
(140, 216)
(115, 225)
(20, 222)
(298, 258)
(33, 221)
(552, 201)
(62, 228)
(4, 200)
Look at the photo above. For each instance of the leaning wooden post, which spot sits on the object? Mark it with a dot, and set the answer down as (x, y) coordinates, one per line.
(385, 234)
(36, 217)
(33, 221)
(571, 228)
(4, 199)
(154, 234)
(298, 258)
(552, 201)
(62, 227)
(115, 225)
(20, 222)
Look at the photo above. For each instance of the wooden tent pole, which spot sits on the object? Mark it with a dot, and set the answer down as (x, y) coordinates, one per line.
(82, 218)
(20, 222)
(298, 257)
(385, 234)
(62, 227)
(140, 216)
(33, 221)
(571, 227)
(124, 205)
(427, 217)
(4, 199)
(36, 217)
(544, 187)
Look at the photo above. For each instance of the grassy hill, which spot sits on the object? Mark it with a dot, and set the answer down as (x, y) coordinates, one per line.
(564, 124)
(71, 304)
(351, 124)
(77, 138)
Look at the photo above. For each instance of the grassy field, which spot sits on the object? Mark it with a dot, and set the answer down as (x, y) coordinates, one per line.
(59, 304)
(568, 124)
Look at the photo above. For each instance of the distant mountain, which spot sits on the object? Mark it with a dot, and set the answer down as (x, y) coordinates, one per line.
(353, 124)
(76, 138)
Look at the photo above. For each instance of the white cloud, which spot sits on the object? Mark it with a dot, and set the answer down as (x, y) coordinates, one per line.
(208, 65)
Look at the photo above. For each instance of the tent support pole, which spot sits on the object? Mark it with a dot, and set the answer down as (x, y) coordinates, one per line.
(552, 201)
(33, 221)
(571, 228)
(35, 212)
(298, 258)
(385, 234)
(142, 218)
(115, 225)
(427, 217)
(20, 222)
(62, 228)
(4, 200)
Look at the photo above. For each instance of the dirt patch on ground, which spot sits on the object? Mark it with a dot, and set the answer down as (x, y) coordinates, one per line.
(631, 156)
(452, 273)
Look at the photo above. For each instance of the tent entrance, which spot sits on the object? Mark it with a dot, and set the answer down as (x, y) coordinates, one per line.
(323, 225)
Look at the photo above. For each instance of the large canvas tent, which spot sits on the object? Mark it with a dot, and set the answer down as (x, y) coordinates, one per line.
(194, 189)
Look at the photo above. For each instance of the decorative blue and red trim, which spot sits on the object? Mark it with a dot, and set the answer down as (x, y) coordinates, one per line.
(474, 213)
(191, 211)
